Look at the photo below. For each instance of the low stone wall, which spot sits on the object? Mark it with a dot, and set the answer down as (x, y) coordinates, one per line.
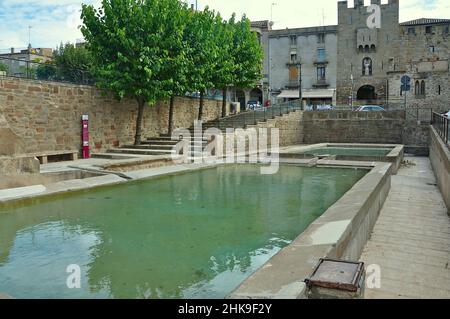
(18, 165)
(289, 125)
(353, 127)
(440, 161)
(340, 233)
(46, 116)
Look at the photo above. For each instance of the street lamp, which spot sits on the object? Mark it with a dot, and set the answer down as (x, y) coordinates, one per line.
(300, 93)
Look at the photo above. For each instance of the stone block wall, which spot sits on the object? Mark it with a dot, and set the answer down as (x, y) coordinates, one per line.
(440, 161)
(46, 116)
(353, 127)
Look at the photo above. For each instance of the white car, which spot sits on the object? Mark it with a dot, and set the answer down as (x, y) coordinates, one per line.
(370, 108)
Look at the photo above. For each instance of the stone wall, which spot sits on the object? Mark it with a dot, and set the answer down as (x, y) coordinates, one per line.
(440, 160)
(353, 127)
(46, 115)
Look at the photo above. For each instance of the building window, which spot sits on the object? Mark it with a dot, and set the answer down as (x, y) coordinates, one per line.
(439, 90)
(419, 88)
(367, 67)
(431, 49)
(293, 39)
(321, 74)
(321, 38)
(446, 30)
(293, 73)
(411, 31)
(429, 29)
(321, 55)
(422, 88)
(293, 57)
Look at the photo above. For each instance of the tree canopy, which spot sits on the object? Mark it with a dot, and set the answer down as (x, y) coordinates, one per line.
(151, 50)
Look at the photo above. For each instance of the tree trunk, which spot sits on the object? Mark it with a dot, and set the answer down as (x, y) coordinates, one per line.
(224, 102)
(140, 116)
(200, 109)
(171, 104)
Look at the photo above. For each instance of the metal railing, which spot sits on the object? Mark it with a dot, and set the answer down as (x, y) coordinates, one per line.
(441, 125)
(253, 117)
(35, 70)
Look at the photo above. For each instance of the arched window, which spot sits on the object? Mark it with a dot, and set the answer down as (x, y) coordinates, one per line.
(367, 67)
(361, 49)
(366, 48)
(373, 48)
(417, 88)
(422, 88)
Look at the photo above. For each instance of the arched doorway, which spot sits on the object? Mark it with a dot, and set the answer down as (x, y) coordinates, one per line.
(366, 92)
(256, 95)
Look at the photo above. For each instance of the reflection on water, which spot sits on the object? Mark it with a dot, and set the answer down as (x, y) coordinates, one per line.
(196, 235)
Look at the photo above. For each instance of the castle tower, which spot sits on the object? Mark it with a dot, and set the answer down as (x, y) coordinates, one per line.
(365, 50)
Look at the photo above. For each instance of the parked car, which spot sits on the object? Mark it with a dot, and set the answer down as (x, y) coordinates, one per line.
(370, 108)
(319, 108)
(253, 105)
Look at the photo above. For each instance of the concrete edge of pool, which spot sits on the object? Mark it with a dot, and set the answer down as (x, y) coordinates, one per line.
(395, 156)
(341, 232)
(67, 186)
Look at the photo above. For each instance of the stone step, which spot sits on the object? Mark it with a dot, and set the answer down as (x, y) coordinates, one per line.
(149, 147)
(140, 152)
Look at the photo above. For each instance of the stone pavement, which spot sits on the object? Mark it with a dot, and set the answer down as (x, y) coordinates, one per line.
(411, 239)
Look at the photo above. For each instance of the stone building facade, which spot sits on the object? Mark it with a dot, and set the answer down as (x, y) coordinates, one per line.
(364, 54)
(306, 55)
(373, 61)
(423, 57)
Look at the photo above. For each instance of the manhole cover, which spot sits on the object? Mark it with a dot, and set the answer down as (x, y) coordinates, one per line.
(336, 274)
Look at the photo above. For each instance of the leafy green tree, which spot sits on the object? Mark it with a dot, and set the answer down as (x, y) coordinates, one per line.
(223, 74)
(248, 55)
(73, 63)
(176, 68)
(46, 71)
(202, 52)
(3, 67)
(129, 41)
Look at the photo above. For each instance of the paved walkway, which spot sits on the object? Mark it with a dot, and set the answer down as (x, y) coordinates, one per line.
(411, 239)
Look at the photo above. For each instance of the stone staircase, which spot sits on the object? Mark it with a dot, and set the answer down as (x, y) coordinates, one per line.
(164, 144)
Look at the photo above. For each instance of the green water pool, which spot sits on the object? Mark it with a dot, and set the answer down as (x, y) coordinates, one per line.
(350, 151)
(193, 235)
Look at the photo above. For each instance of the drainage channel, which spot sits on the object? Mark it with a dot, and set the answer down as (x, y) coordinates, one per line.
(99, 171)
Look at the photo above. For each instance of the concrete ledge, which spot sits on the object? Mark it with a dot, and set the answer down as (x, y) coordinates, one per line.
(395, 156)
(26, 193)
(440, 161)
(341, 232)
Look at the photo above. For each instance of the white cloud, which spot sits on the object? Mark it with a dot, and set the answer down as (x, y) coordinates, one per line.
(56, 21)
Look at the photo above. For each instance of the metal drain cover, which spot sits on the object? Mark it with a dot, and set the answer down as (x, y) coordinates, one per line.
(337, 275)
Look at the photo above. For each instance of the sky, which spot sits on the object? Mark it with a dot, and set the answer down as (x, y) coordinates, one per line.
(56, 21)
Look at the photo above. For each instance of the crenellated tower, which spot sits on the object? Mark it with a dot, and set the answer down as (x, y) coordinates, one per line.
(365, 49)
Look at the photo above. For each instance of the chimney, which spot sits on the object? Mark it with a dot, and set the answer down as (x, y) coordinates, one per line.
(12, 51)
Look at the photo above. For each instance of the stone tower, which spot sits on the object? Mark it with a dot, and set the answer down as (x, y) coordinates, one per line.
(365, 53)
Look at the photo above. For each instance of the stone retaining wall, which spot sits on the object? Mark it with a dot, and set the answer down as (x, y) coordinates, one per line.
(47, 115)
(364, 127)
(353, 127)
(440, 160)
